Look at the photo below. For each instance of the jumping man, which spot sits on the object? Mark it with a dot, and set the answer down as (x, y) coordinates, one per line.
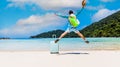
(73, 23)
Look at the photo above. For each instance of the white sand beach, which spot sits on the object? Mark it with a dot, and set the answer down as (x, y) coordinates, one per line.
(64, 59)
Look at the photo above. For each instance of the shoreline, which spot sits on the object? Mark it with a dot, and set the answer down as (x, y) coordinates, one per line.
(59, 50)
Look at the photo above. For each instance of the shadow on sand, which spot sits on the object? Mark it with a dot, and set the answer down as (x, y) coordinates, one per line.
(73, 53)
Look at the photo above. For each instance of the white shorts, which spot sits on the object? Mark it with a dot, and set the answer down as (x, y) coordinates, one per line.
(70, 29)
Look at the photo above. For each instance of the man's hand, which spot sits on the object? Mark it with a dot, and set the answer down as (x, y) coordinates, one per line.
(83, 3)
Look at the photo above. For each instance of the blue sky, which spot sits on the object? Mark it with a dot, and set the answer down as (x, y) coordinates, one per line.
(23, 18)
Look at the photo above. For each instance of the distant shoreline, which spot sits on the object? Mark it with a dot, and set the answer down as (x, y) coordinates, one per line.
(4, 38)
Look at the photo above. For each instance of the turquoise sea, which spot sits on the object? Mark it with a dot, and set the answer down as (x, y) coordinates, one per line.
(43, 44)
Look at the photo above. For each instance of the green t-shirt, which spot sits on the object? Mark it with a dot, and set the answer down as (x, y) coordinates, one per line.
(73, 20)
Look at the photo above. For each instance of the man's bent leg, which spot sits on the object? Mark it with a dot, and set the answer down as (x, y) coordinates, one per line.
(61, 36)
(81, 35)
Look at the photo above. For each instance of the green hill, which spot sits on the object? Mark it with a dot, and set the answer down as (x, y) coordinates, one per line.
(48, 34)
(107, 27)
(57, 33)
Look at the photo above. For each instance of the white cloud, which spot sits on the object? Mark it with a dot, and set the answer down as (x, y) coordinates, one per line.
(95, 7)
(107, 0)
(33, 25)
(102, 14)
(46, 4)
